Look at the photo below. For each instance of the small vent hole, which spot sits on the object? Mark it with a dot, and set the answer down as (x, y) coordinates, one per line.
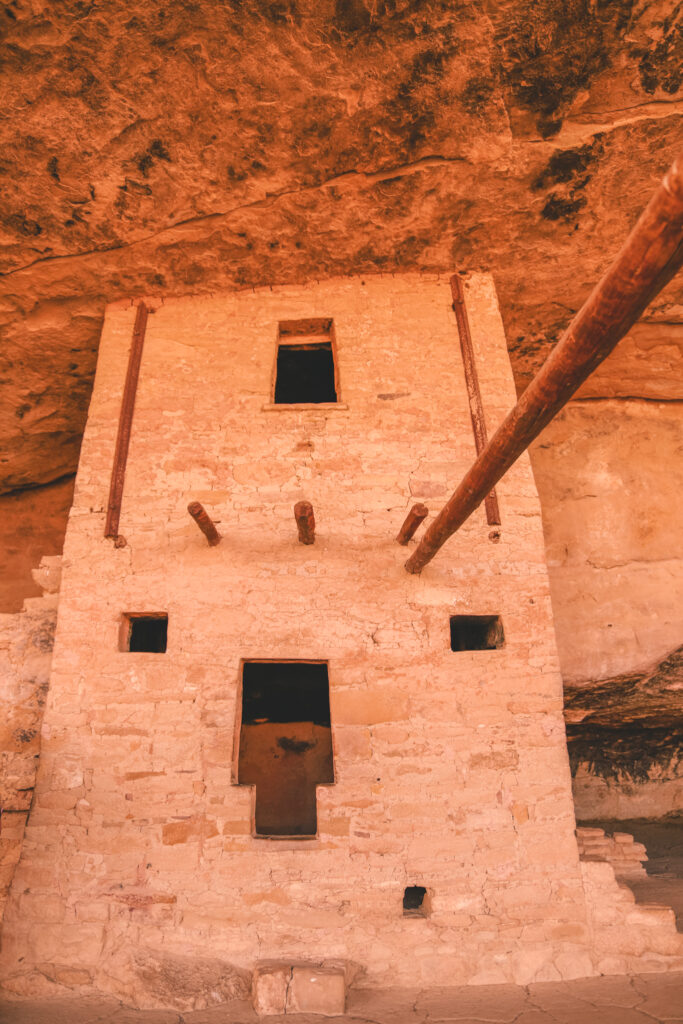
(414, 903)
(476, 632)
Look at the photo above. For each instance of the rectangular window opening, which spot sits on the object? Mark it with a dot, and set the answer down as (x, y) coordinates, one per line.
(285, 746)
(414, 901)
(144, 632)
(476, 632)
(305, 372)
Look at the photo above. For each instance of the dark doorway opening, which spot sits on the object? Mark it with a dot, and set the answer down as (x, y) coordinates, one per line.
(476, 632)
(305, 370)
(285, 743)
(145, 633)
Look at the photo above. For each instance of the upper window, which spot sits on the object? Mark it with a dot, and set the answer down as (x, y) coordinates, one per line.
(305, 372)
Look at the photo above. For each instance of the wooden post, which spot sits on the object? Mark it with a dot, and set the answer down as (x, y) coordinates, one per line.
(411, 522)
(305, 522)
(204, 522)
(650, 257)
(473, 391)
(118, 473)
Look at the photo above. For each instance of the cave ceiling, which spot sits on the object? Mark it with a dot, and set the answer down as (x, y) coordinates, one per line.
(157, 148)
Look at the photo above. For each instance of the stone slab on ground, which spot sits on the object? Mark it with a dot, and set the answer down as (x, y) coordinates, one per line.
(641, 999)
(316, 991)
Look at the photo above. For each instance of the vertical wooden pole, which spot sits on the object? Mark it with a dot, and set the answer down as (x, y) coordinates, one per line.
(118, 473)
(473, 391)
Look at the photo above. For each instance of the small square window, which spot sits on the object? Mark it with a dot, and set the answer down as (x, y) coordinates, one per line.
(476, 632)
(305, 371)
(414, 902)
(144, 633)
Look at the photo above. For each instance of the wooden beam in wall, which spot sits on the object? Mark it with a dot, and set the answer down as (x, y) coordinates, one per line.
(118, 473)
(473, 390)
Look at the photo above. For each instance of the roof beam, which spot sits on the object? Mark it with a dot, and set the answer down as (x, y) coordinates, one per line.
(649, 258)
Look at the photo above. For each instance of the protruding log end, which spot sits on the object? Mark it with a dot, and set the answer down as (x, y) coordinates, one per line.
(414, 565)
(305, 522)
(417, 514)
(204, 522)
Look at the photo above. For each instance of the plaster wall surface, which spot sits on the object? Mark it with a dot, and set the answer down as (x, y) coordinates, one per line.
(451, 769)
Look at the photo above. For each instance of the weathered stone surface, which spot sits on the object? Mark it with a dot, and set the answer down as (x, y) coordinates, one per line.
(619, 849)
(317, 990)
(269, 988)
(625, 739)
(157, 978)
(32, 525)
(182, 148)
(26, 640)
(651, 699)
(609, 477)
(639, 999)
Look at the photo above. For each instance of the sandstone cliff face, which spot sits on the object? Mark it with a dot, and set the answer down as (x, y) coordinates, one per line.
(609, 475)
(32, 524)
(185, 147)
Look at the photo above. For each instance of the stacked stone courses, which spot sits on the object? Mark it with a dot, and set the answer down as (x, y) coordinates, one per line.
(451, 768)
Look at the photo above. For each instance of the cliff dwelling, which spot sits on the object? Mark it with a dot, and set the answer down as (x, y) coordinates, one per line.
(340, 633)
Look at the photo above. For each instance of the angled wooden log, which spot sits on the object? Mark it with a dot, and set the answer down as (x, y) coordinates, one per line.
(473, 389)
(417, 514)
(651, 255)
(305, 522)
(204, 522)
(118, 473)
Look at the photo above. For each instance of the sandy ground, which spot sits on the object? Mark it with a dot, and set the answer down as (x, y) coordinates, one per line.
(612, 1000)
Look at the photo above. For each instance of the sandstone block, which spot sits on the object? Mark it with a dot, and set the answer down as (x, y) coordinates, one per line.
(367, 707)
(269, 989)
(317, 990)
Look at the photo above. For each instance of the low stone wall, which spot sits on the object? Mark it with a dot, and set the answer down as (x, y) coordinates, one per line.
(626, 937)
(620, 850)
(26, 640)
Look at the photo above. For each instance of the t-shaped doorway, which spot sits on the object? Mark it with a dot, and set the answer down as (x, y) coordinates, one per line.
(285, 743)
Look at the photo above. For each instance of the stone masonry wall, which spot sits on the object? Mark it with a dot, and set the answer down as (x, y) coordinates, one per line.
(26, 639)
(451, 769)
